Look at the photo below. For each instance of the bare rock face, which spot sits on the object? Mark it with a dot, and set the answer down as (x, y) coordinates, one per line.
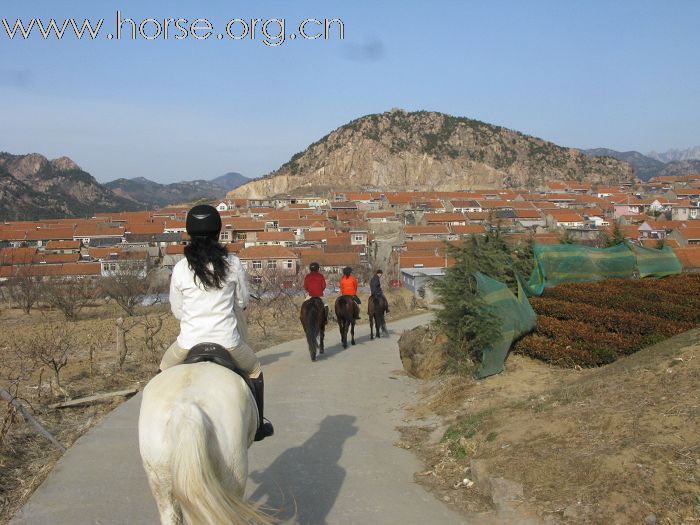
(27, 166)
(430, 151)
(64, 164)
(32, 187)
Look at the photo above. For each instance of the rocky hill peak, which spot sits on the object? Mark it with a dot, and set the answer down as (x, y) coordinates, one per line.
(422, 150)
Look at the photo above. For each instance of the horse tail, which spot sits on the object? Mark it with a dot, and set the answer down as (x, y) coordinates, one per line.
(196, 475)
(311, 325)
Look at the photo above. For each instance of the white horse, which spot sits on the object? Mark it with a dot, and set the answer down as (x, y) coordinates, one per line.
(195, 426)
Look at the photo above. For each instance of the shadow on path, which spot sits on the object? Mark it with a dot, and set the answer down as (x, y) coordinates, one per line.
(271, 358)
(306, 480)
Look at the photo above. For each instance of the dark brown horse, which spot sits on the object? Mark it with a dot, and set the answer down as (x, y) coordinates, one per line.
(313, 319)
(376, 308)
(345, 310)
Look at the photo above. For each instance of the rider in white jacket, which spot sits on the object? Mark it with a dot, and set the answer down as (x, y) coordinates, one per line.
(207, 288)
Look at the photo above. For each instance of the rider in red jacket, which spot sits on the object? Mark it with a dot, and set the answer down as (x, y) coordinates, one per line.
(315, 284)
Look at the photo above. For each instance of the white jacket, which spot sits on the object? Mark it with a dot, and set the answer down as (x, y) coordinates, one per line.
(207, 316)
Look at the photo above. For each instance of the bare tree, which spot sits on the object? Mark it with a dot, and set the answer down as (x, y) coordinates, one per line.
(17, 369)
(153, 337)
(128, 285)
(52, 344)
(276, 291)
(25, 287)
(69, 295)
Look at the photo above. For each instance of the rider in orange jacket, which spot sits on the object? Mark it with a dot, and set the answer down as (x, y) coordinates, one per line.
(348, 286)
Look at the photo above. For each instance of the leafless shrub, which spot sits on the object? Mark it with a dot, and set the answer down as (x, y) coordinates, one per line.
(51, 345)
(153, 338)
(275, 291)
(128, 285)
(69, 295)
(25, 287)
(15, 371)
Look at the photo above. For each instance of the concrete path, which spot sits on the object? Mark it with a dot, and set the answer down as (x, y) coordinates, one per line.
(332, 460)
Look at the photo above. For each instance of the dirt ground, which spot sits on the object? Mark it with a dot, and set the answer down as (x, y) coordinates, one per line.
(613, 445)
(92, 367)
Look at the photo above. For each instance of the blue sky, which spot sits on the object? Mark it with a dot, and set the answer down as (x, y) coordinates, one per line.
(618, 74)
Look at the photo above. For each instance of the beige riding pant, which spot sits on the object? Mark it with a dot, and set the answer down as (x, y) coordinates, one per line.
(242, 355)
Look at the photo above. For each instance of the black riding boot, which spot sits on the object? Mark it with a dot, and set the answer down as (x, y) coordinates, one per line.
(264, 426)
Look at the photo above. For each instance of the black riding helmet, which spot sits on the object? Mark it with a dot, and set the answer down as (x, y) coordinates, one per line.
(347, 270)
(314, 267)
(203, 220)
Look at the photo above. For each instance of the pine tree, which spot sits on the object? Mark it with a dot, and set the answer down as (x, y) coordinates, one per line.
(466, 319)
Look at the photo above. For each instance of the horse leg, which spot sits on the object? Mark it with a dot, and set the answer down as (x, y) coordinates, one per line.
(377, 323)
(343, 332)
(321, 335)
(371, 327)
(352, 332)
(168, 507)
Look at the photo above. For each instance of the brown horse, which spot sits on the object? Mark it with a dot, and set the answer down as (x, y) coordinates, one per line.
(376, 308)
(345, 310)
(313, 319)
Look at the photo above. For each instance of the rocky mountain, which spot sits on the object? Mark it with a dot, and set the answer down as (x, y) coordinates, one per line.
(674, 155)
(33, 187)
(153, 194)
(681, 167)
(644, 167)
(424, 150)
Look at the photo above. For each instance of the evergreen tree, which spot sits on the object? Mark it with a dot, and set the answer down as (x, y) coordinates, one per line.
(466, 319)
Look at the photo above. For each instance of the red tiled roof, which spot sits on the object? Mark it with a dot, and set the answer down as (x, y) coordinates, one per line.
(45, 234)
(468, 229)
(147, 228)
(565, 216)
(319, 235)
(689, 256)
(175, 249)
(275, 236)
(332, 259)
(12, 256)
(425, 261)
(55, 258)
(63, 245)
(432, 218)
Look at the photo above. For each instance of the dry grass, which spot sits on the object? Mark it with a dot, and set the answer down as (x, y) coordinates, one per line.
(609, 445)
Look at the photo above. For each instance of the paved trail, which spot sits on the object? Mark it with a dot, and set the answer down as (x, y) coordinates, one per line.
(332, 460)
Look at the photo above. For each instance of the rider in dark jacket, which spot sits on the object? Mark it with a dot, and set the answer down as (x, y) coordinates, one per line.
(375, 287)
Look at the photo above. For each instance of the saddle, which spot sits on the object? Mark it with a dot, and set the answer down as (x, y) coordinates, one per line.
(215, 353)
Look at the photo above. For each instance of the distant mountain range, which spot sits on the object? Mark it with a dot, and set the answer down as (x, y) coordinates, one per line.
(151, 194)
(33, 187)
(424, 150)
(646, 166)
(674, 155)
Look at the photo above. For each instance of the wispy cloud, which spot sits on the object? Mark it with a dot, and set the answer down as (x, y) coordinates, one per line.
(18, 78)
(368, 51)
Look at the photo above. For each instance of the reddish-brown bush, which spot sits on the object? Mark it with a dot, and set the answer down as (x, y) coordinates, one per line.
(591, 324)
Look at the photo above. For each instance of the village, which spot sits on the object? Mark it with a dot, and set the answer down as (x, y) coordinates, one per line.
(404, 233)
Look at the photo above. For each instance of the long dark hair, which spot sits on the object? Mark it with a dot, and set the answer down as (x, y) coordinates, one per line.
(203, 250)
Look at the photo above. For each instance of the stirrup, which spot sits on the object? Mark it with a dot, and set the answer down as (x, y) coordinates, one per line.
(265, 429)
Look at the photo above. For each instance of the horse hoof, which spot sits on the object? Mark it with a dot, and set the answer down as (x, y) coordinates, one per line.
(353, 343)
(313, 358)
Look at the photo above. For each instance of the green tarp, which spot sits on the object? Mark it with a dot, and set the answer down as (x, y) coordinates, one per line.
(517, 319)
(564, 263)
